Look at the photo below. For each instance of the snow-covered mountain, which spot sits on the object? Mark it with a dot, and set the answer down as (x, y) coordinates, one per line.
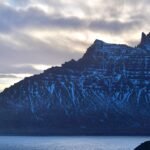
(107, 91)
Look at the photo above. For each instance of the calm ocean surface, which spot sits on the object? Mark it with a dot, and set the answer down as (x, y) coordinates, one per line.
(70, 143)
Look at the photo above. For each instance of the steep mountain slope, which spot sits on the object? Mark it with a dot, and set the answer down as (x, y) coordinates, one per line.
(107, 91)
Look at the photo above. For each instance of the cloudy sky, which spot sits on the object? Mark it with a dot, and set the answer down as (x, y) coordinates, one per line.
(38, 34)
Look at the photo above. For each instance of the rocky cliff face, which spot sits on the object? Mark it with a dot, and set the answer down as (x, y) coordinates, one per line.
(107, 91)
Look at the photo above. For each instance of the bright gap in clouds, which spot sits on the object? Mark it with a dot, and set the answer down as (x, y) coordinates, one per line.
(11, 79)
(41, 67)
(6, 80)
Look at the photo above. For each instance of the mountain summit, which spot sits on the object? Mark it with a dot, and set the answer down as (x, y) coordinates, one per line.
(145, 41)
(107, 91)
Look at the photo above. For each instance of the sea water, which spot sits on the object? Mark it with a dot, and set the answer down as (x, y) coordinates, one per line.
(70, 142)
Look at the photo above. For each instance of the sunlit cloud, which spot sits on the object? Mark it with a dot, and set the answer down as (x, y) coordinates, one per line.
(41, 67)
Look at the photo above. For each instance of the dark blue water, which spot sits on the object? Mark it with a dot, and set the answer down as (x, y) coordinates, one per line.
(70, 143)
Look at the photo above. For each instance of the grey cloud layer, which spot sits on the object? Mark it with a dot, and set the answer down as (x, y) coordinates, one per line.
(109, 17)
(31, 51)
(7, 76)
(12, 19)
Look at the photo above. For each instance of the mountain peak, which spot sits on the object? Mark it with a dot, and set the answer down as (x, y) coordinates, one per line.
(97, 46)
(145, 41)
(145, 37)
(97, 41)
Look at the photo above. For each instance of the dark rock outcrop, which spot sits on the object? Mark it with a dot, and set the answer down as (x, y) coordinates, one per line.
(144, 146)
